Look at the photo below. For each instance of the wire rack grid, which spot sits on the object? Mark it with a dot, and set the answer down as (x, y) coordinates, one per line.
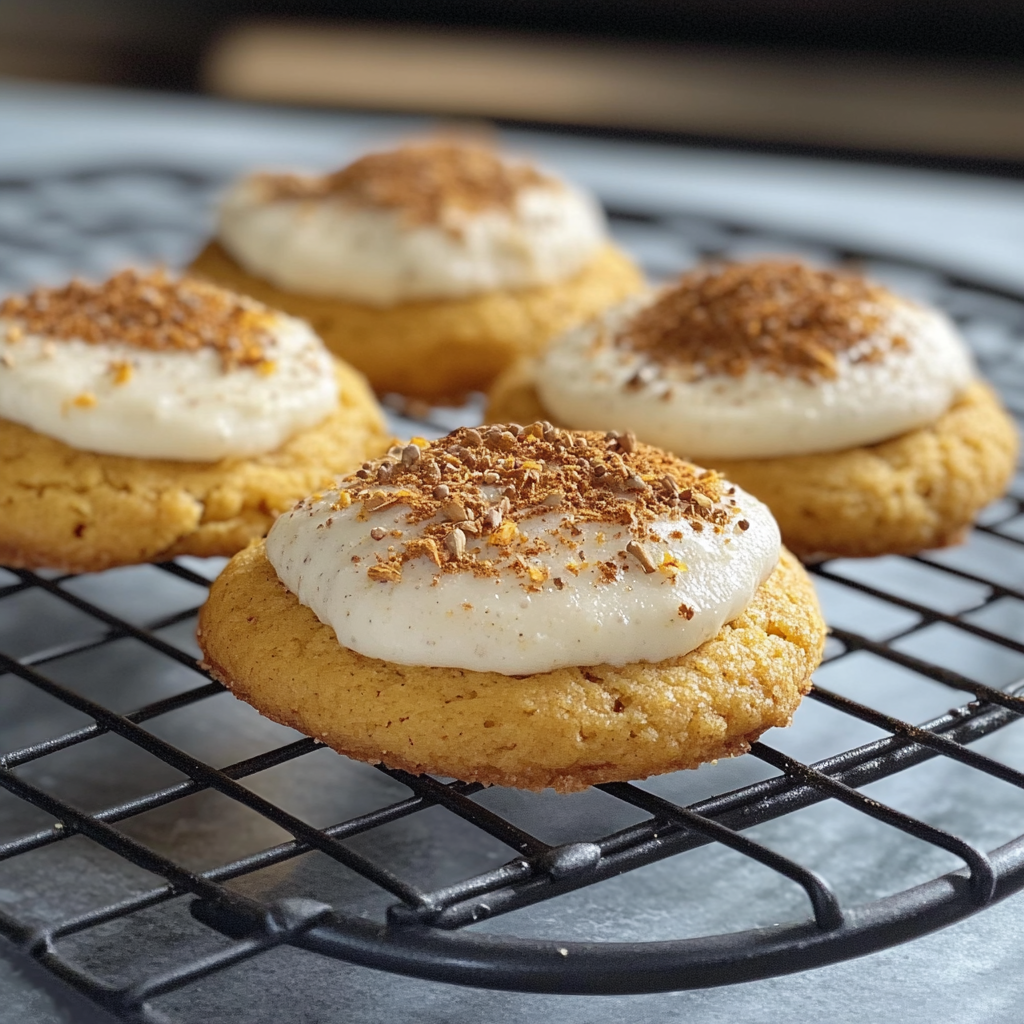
(114, 871)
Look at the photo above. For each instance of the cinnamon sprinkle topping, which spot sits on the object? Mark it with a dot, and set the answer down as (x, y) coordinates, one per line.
(422, 180)
(782, 317)
(498, 480)
(149, 311)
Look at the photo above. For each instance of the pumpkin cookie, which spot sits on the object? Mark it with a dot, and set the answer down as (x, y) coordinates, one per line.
(854, 414)
(406, 617)
(149, 417)
(429, 268)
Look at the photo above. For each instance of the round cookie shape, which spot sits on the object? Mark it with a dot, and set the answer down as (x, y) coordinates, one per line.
(447, 262)
(150, 416)
(566, 729)
(79, 511)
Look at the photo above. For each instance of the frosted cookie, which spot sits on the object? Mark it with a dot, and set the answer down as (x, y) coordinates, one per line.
(855, 414)
(526, 607)
(430, 267)
(149, 417)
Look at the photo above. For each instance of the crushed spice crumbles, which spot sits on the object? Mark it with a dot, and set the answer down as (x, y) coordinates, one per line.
(121, 372)
(422, 180)
(149, 311)
(473, 494)
(780, 316)
(84, 400)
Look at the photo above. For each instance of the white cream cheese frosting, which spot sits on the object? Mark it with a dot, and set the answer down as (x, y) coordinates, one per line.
(904, 374)
(612, 576)
(112, 396)
(380, 247)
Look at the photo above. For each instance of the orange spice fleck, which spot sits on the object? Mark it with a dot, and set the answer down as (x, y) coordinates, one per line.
(670, 565)
(504, 535)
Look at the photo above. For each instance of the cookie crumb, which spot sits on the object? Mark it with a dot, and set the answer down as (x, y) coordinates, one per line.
(385, 572)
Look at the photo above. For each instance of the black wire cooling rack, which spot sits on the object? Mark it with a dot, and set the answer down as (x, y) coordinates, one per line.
(141, 852)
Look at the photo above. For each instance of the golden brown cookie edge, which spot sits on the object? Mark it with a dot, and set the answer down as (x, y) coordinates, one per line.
(441, 350)
(248, 608)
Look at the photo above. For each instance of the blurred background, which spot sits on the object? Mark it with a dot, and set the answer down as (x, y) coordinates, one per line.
(932, 81)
